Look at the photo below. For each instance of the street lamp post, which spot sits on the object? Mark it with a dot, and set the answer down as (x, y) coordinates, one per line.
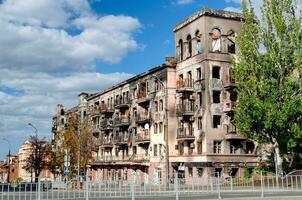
(36, 130)
(8, 155)
(166, 138)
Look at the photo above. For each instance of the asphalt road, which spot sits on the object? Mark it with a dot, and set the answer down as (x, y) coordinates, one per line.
(248, 195)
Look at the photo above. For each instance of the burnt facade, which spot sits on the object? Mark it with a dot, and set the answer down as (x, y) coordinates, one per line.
(177, 117)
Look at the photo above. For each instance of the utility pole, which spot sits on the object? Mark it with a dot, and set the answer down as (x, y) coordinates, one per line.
(8, 155)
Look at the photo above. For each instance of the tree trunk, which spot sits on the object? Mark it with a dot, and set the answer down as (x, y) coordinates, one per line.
(278, 159)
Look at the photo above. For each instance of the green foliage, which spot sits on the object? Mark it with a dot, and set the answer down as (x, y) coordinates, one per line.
(269, 75)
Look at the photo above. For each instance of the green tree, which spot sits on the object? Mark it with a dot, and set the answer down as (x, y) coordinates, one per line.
(269, 78)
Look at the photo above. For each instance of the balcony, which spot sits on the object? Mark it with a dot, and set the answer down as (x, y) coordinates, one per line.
(106, 124)
(143, 137)
(140, 158)
(121, 121)
(107, 143)
(122, 103)
(142, 97)
(143, 117)
(106, 108)
(184, 85)
(199, 85)
(185, 109)
(230, 84)
(232, 134)
(95, 111)
(229, 106)
(185, 134)
(122, 139)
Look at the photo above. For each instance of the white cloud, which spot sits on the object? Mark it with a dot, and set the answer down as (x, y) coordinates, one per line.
(233, 9)
(184, 2)
(234, 1)
(48, 53)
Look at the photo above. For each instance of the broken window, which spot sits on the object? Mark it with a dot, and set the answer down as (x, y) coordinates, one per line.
(199, 123)
(156, 106)
(216, 96)
(161, 105)
(218, 172)
(199, 99)
(181, 148)
(180, 49)
(234, 172)
(216, 121)
(217, 147)
(231, 41)
(155, 128)
(199, 48)
(198, 73)
(216, 72)
(155, 150)
(160, 127)
(216, 40)
(199, 147)
(233, 96)
(189, 42)
(199, 172)
(250, 146)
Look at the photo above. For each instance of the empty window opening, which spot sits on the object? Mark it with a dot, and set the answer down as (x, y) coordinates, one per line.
(234, 172)
(216, 40)
(218, 172)
(199, 172)
(199, 147)
(199, 99)
(198, 73)
(216, 121)
(189, 41)
(216, 96)
(180, 46)
(216, 72)
(233, 96)
(155, 150)
(231, 42)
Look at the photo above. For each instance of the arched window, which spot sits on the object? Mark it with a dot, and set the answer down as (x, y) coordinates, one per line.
(231, 35)
(216, 40)
(199, 48)
(189, 50)
(180, 46)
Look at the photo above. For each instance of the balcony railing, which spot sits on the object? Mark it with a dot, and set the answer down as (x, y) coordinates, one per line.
(185, 134)
(106, 124)
(229, 106)
(143, 136)
(231, 133)
(121, 121)
(124, 102)
(229, 83)
(122, 138)
(107, 142)
(186, 108)
(140, 158)
(95, 110)
(106, 108)
(184, 85)
(143, 117)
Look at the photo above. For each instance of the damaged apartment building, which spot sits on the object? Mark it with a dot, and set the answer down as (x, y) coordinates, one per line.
(174, 118)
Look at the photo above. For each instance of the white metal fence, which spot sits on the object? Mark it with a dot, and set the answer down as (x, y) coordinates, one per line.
(88, 190)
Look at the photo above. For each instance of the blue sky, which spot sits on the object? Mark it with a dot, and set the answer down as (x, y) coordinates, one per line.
(50, 51)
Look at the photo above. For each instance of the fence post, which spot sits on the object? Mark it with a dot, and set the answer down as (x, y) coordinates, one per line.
(176, 187)
(133, 185)
(218, 186)
(262, 189)
(87, 188)
(231, 183)
(39, 189)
